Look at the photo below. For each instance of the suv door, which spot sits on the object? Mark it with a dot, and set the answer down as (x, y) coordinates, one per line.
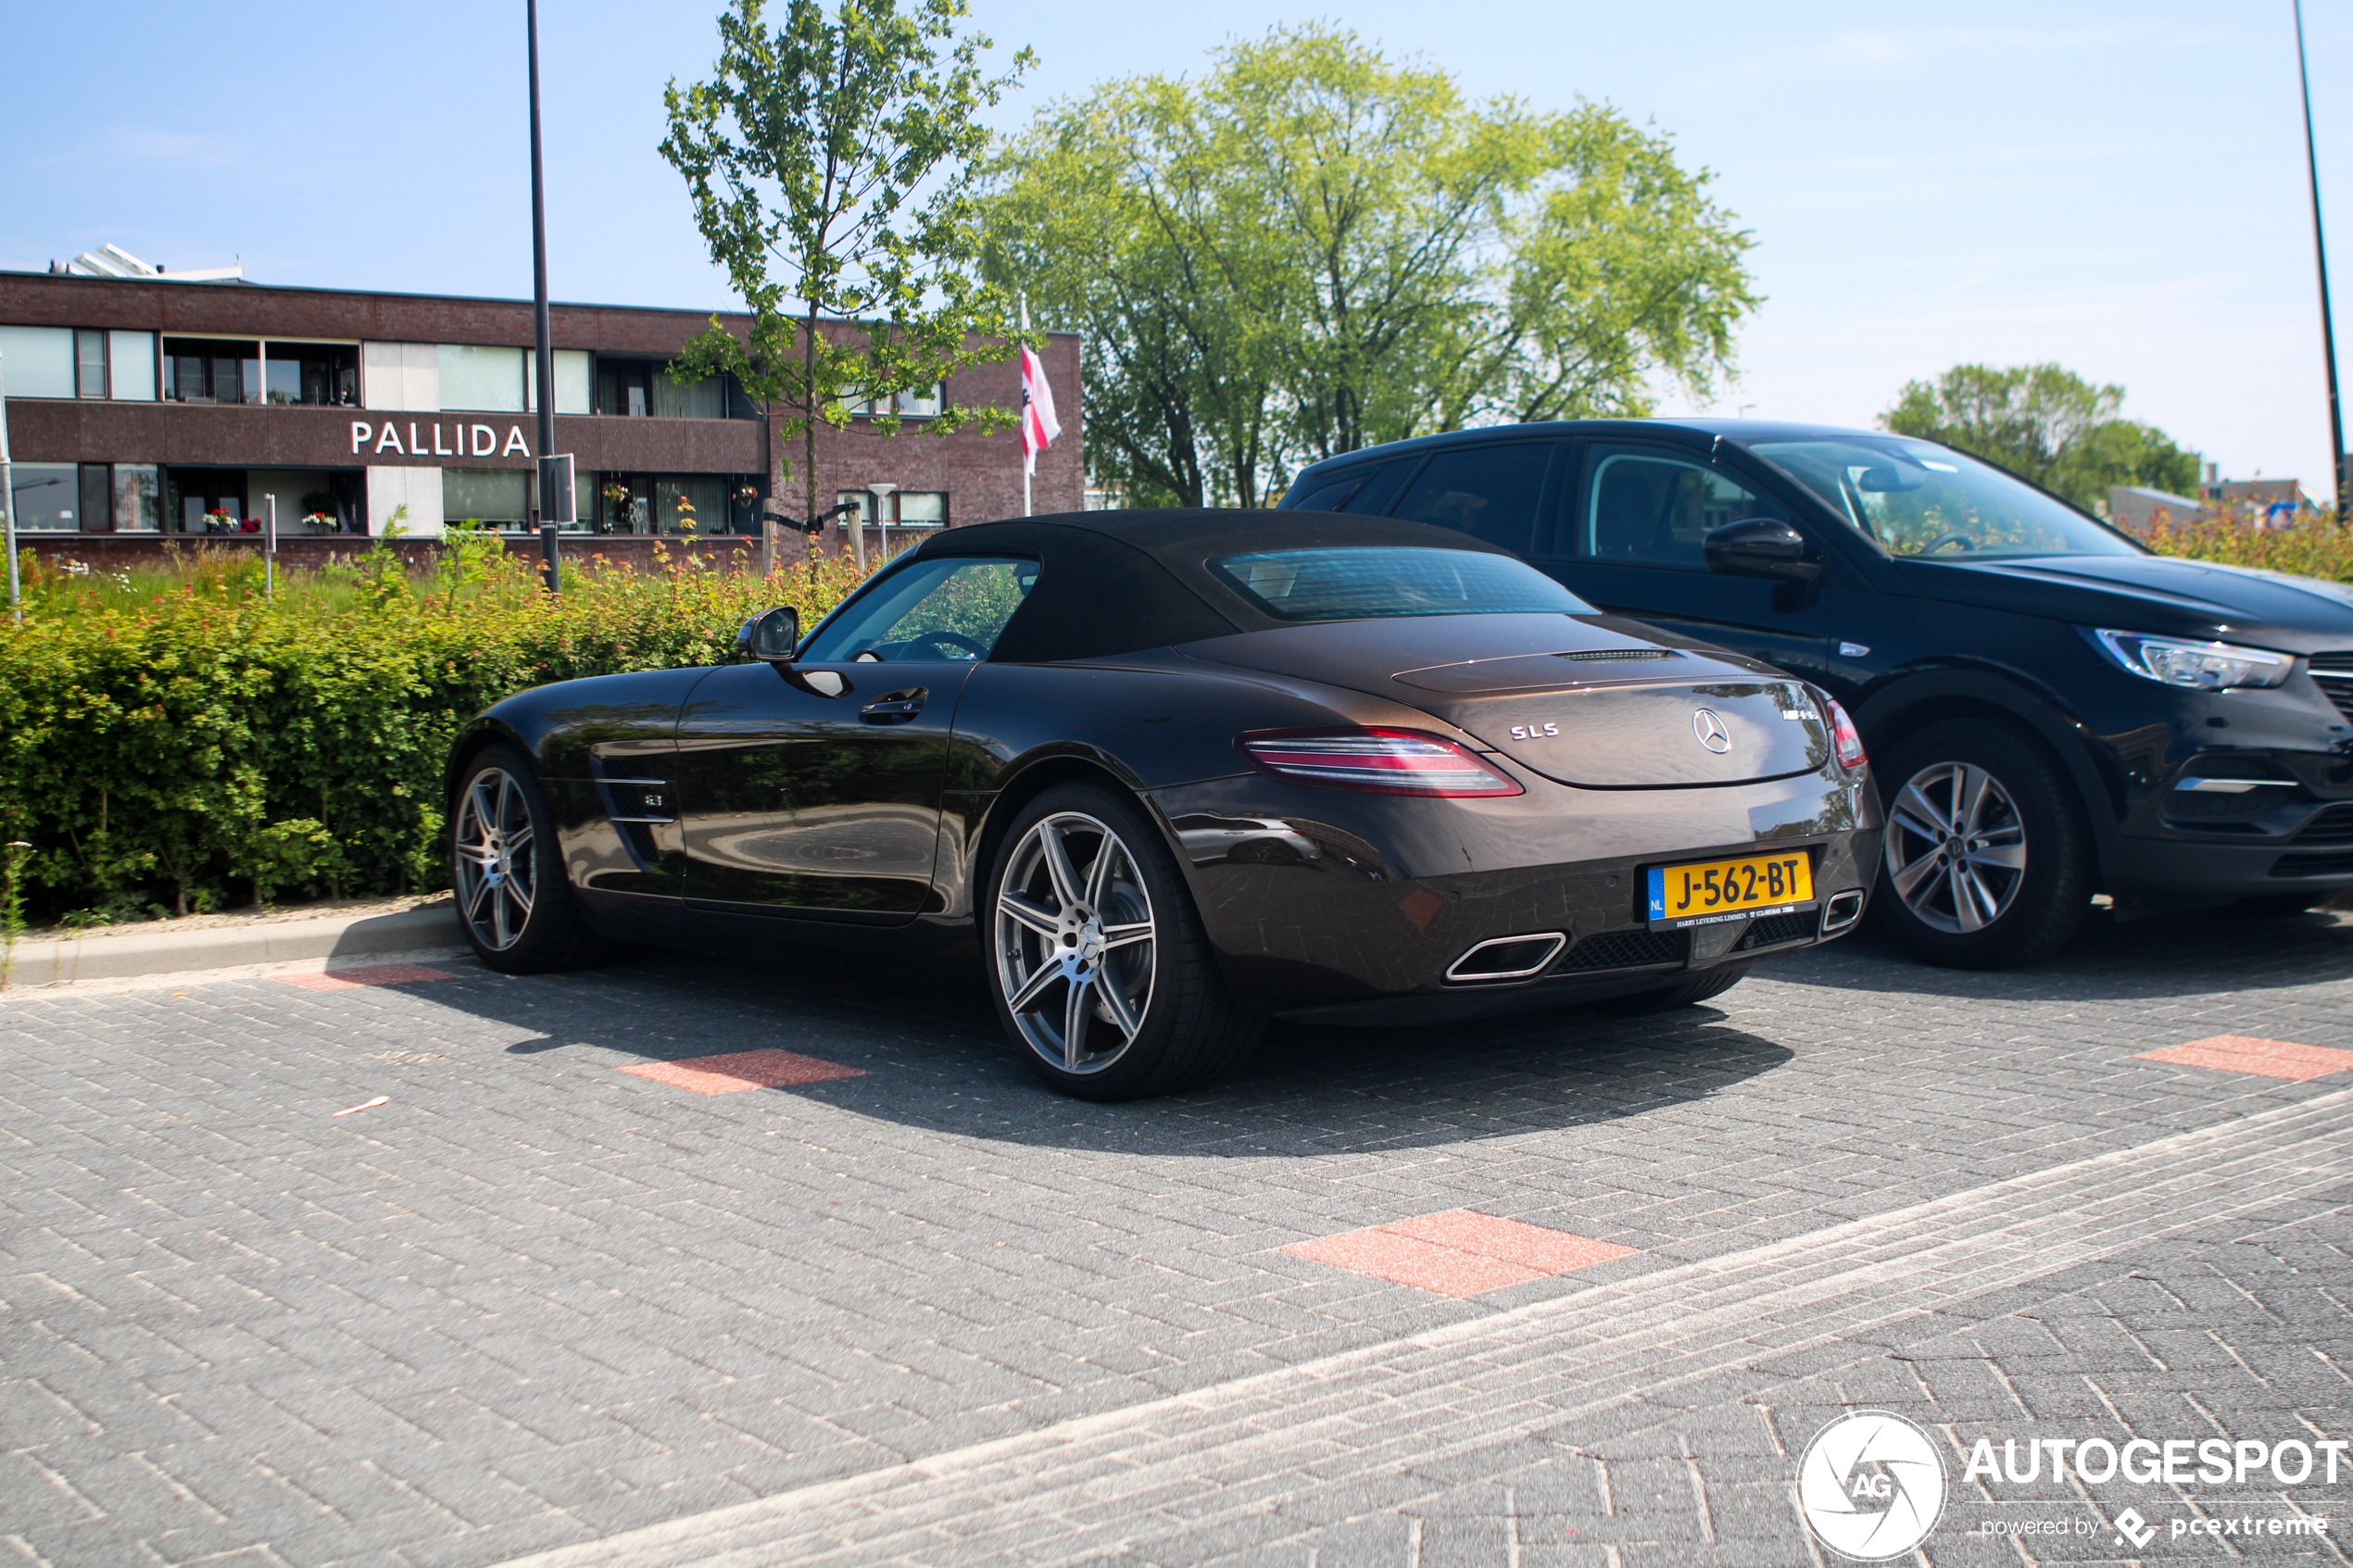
(1632, 546)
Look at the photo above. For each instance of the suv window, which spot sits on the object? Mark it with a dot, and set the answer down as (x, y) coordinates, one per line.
(1648, 508)
(1331, 498)
(1490, 493)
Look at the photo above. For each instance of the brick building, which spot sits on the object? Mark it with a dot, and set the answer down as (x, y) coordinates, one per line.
(148, 407)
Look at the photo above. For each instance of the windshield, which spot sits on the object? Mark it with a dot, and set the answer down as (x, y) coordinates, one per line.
(1374, 580)
(1918, 499)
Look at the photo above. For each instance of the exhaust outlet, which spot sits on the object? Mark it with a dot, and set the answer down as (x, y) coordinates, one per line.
(1842, 911)
(1506, 957)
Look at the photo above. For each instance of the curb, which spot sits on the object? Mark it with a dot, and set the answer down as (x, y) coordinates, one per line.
(171, 952)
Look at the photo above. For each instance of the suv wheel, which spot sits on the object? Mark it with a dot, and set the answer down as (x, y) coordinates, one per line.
(1988, 860)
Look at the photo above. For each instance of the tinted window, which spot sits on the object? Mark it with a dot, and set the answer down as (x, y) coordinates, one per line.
(950, 607)
(1646, 508)
(1490, 493)
(1371, 581)
(1329, 497)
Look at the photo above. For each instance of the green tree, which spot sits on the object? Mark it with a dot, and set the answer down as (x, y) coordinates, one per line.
(2046, 423)
(1313, 249)
(830, 162)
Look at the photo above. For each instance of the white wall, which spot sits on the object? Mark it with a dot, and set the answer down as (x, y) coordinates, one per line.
(418, 489)
(400, 375)
(37, 361)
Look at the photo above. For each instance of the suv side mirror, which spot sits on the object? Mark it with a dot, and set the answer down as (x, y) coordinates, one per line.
(770, 636)
(1760, 546)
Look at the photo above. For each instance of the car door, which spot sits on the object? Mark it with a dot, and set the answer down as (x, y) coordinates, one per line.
(1634, 538)
(815, 789)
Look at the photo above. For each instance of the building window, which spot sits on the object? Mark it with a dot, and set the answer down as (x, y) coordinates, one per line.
(46, 497)
(89, 364)
(666, 503)
(204, 500)
(501, 498)
(202, 369)
(921, 404)
(642, 388)
(138, 499)
(131, 366)
(312, 375)
(37, 361)
(488, 379)
(572, 374)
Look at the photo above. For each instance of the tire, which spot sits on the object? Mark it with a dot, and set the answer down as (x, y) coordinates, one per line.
(1097, 962)
(517, 910)
(1683, 993)
(2022, 882)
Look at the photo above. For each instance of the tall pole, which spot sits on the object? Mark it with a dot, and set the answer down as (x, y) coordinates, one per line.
(1028, 459)
(2321, 259)
(8, 507)
(542, 335)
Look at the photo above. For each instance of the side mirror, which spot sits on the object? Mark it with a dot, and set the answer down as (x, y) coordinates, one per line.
(1760, 546)
(770, 636)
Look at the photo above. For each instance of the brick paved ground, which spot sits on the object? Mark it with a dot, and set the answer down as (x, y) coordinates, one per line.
(531, 1300)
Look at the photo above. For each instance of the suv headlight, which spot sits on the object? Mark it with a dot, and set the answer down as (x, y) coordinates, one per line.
(2212, 667)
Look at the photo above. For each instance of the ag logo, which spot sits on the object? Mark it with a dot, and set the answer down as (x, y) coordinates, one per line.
(1870, 1486)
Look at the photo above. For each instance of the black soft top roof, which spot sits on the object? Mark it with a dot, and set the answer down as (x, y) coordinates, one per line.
(1116, 581)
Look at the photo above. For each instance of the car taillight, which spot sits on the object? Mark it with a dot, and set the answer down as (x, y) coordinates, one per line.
(1845, 736)
(1389, 761)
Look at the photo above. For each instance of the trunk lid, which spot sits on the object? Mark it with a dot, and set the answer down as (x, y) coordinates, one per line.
(1596, 701)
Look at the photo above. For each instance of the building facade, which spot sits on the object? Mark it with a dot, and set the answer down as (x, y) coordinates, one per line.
(151, 407)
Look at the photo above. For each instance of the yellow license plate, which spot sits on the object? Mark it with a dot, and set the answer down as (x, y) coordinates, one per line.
(1706, 891)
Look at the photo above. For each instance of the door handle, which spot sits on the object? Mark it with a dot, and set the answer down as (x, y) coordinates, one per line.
(895, 708)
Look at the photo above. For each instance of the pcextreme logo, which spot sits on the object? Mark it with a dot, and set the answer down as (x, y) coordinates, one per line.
(1870, 1486)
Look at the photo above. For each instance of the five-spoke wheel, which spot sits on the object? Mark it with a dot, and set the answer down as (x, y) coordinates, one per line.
(1075, 942)
(514, 905)
(491, 852)
(1100, 965)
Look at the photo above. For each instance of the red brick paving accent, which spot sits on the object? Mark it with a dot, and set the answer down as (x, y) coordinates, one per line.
(743, 1069)
(1458, 1253)
(2243, 1053)
(370, 974)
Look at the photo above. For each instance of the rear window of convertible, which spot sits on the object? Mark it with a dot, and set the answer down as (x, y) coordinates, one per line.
(1374, 580)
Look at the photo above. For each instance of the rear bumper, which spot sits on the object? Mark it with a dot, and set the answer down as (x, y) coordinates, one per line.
(1348, 908)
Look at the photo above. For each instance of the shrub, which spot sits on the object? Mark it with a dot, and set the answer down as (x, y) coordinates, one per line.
(169, 735)
(2312, 545)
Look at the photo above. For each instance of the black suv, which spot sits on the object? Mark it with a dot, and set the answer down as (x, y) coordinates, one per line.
(2051, 710)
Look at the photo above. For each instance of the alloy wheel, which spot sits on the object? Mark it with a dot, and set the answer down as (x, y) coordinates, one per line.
(1956, 847)
(1076, 943)
(494, 859)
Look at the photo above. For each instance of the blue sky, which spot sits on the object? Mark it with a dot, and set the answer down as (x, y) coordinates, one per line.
(2117, 187)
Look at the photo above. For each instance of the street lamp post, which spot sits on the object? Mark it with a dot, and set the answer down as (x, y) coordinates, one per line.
(2321, 259)
(8, 506)
(553, 511)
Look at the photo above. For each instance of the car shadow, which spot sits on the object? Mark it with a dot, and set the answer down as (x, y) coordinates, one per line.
(932, 1056)
(2187, 952)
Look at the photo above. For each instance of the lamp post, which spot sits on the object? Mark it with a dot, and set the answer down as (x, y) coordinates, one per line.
(8, 506)
(2320, 260)
(882, 516)
(553, 509)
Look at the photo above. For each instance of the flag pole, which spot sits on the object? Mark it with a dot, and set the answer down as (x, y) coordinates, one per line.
(1028, 459)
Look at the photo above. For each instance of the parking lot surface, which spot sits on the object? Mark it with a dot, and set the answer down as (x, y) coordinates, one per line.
(684, 1257)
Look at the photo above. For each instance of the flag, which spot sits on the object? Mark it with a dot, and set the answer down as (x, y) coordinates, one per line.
(1038, 425)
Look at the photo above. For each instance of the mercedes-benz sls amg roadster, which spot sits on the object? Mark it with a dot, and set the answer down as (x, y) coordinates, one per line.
(1173, 772)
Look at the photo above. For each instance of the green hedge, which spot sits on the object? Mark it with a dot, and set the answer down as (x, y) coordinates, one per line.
(175, 742)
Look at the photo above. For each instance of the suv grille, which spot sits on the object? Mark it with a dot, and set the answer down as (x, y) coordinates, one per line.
(2332, 826)
(2332, 673)
(1623, 949)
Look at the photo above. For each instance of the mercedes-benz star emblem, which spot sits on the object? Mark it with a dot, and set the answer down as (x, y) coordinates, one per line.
(1711, 731)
